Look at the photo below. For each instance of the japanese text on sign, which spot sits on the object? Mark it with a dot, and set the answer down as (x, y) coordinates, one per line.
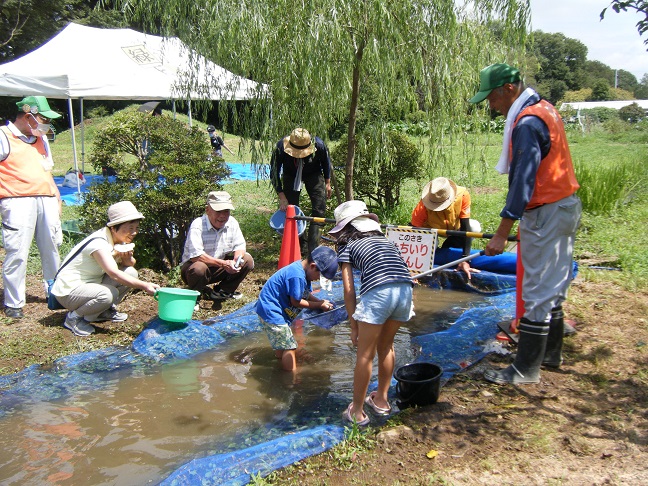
(416, 247)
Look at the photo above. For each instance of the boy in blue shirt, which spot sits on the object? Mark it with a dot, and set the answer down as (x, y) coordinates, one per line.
(286, 293)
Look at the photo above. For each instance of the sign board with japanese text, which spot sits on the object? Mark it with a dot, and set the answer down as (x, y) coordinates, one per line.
(416, 246)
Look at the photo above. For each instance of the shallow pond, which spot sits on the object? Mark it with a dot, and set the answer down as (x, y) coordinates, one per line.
(141, 426)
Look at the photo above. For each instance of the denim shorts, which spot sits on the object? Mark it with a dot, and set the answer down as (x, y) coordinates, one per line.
(279, 335)
(389, 301)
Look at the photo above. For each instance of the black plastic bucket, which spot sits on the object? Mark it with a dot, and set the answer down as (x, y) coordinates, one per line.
(418, 384)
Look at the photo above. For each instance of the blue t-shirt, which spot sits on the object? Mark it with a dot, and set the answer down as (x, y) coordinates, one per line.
(274, 305)
(378, 260)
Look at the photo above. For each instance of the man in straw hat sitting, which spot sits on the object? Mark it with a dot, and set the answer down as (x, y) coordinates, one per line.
(215, 251)
(301, 160)
(542, 196)
(446, 206)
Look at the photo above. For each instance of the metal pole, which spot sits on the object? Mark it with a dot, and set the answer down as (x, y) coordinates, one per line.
(448, 265)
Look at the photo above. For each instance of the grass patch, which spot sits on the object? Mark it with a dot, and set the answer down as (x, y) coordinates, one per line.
(356, 442)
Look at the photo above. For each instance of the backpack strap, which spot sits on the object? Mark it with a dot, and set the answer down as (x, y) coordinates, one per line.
(76, 253)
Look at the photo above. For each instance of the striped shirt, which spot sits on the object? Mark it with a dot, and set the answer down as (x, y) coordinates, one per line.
(378, 260)
(203, 238)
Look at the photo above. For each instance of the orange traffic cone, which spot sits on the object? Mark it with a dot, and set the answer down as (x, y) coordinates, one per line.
(290, 242)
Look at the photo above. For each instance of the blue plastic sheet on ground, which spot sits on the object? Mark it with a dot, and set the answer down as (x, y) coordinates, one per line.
(235, 468)
(467, 341)
(239, 172)
(502, 264)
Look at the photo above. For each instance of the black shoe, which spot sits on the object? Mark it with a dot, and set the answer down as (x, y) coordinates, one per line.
(210, 294)
(14, 312)
(223, 295)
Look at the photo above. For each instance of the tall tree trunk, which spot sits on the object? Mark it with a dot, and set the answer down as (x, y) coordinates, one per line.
(353, 110)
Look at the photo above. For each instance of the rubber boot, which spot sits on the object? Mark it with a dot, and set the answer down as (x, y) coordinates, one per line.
(553, 352)
(531, 350)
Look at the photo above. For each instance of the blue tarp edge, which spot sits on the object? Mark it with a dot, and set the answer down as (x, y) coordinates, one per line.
(237, 468)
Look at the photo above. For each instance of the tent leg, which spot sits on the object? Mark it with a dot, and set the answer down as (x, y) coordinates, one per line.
(74, 150)
(82, 136)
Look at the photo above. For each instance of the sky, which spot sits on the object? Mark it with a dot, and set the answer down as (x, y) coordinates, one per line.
(613, 41)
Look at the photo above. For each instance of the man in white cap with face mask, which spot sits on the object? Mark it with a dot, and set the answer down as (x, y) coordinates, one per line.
(29, 199)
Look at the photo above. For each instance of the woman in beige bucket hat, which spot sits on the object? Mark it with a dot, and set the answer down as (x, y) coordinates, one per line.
(99, 271)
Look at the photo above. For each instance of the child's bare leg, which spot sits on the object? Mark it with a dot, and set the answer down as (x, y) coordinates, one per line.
(386, 359)
(368, 335)
(289, 360)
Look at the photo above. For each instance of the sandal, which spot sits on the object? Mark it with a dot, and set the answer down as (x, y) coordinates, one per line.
(377, 410)
(350, 418)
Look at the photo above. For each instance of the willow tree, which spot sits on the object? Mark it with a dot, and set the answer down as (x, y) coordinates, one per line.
(314, 54)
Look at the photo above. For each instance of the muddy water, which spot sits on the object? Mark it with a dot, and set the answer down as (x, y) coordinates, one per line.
(140, 427)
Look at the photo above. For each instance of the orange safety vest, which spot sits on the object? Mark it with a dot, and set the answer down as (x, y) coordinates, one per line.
(448, 218)
(555, 178)
(22, 173)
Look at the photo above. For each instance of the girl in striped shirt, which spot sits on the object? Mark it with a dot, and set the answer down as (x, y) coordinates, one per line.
(383, 303)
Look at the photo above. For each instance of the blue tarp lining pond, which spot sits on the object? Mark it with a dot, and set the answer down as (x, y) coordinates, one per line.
(462, 344)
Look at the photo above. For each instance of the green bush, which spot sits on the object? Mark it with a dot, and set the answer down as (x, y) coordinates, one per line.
(599, 115)
(383, 161)
(169, 184)
(632, 113)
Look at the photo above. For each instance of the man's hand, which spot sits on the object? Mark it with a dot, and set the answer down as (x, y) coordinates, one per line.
(498, 242)
(231, 267)
(283, 201)
(496, 245)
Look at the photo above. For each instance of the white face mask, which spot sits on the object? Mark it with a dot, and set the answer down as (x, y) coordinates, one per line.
(41, 128)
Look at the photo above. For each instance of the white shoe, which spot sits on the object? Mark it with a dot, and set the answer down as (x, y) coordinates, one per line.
(78, 325)
(110, 314)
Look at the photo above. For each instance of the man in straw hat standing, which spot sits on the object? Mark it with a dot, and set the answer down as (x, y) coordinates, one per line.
(29, 199)
(215, 251)
(301, 160)
(446, 206)
(542, 187)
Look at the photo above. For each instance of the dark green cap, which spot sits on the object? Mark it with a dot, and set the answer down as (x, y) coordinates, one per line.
(492, 77)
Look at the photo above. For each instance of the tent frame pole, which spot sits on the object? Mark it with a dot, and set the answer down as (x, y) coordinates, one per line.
(82, 136)
(74, 150)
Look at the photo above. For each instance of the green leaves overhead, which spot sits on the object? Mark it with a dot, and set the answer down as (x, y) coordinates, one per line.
(309, 52)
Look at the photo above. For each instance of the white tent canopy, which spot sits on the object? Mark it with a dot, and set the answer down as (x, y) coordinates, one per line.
(119, 64)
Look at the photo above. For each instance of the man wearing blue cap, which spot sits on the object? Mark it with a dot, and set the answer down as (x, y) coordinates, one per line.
(29, 199)
(542, 187)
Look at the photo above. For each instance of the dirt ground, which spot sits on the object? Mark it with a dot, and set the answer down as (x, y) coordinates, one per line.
(586, 424)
